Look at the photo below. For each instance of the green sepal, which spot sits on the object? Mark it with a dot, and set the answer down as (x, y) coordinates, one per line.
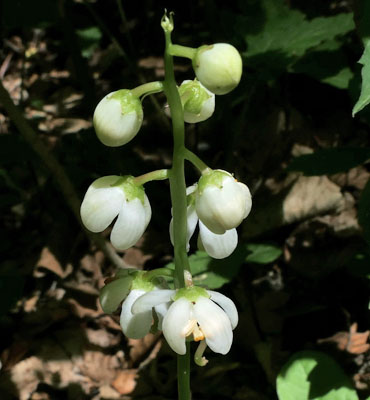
(214, 178)
(130, 188)
(193, 95)
(129, 102)
(114, 292)
(141, 282)
(191, 293)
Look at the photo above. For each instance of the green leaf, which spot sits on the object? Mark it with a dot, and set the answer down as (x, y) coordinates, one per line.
(213, 273)
(330, 161)
(261, 253)
(88, 39)
(287, 34)
(312, 375)
(364, 211)
(364, 98)
(326, 63)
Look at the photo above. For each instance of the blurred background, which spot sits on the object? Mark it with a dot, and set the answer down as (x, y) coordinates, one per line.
(300, 274)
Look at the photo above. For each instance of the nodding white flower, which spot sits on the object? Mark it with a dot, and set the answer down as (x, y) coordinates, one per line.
(195, 313)
(218, 67)
(198, 101)
(118, 118)
(112, 196)
(221, 201)
(216, 245)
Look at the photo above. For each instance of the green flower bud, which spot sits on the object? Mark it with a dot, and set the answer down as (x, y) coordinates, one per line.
(218, 67)
(198, 102)
(118, 118)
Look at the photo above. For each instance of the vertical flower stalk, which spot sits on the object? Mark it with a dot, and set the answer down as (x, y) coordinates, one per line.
(178, 193)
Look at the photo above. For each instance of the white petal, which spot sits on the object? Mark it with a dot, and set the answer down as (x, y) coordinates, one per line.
(112, 126)
(191, 189)
(248, 198)
(227, 305)
(215, 325)
(218, 246)
(219, 67)
(138, 325)
(101, 203)
(174, 324)
(192, 219)
(152, 299)
(161, 311)
(131, 224)
(223, 208)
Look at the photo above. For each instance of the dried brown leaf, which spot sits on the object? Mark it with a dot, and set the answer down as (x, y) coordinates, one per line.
(49, 262)
(125, 381)
(353, 342)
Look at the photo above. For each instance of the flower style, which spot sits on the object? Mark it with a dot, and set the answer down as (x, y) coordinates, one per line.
(218, 67)
(112, 196)
(216, 245)
(198, 101)
(195, 312)
(118, 118)
(221, 201)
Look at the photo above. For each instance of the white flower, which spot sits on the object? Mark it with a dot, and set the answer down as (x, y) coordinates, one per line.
(218, 67)
(202, 314)
(216, 245)
(221, 201)
(136, 326)
(118, 118)
(198, 101)
(112, 196)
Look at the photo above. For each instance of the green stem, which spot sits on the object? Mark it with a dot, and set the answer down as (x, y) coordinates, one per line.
(182, 51)
(196, 161)
(177, 175)
(158, 175)
(178, 194)
(148, 88)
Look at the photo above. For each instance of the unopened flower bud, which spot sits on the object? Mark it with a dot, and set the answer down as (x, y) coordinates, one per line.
(221, 201)
(118, 118)
(218, 67)
(198, 102)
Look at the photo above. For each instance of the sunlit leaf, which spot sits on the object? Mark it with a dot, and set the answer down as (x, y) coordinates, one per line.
(364, 98)
(312, 375)
(262, 253)
(287, 34)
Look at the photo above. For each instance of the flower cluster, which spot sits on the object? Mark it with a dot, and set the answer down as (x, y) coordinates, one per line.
(217, 203)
